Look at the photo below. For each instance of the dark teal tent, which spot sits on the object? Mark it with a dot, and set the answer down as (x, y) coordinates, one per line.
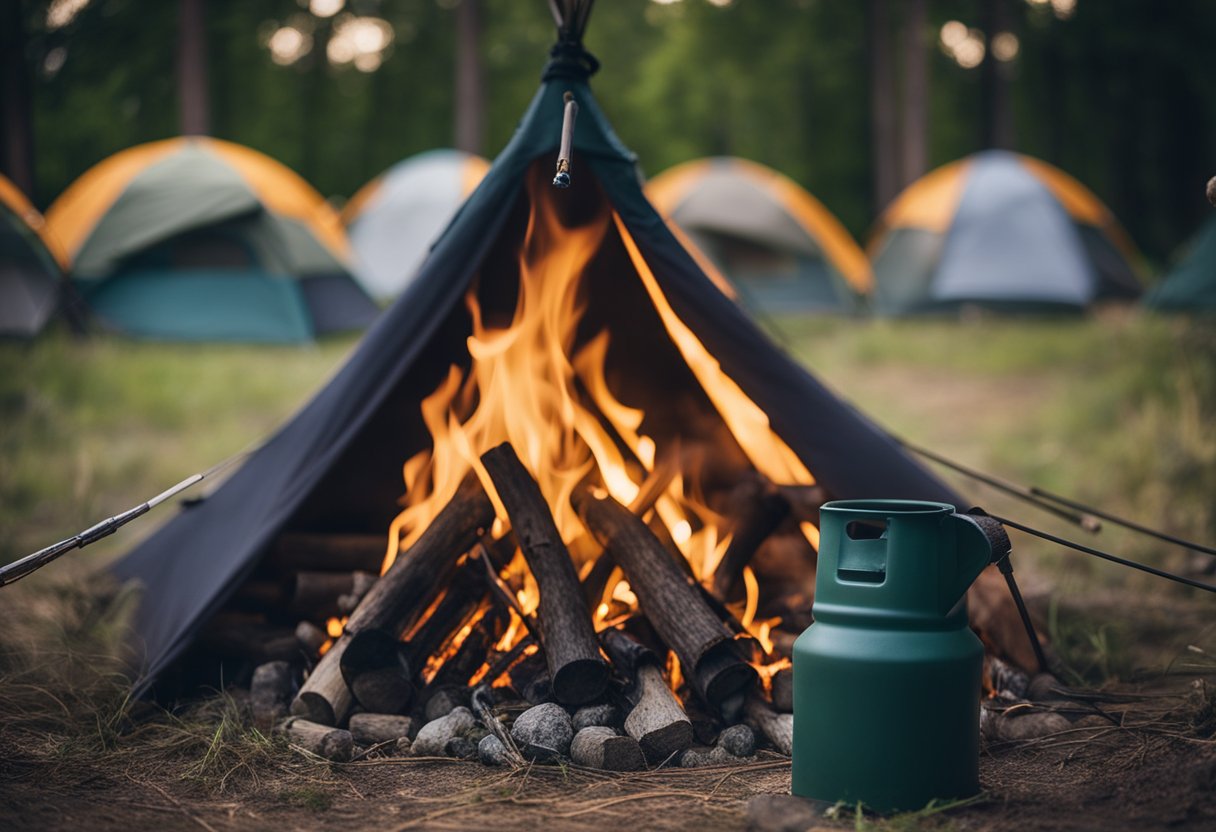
(336, 466)
(1191, 285)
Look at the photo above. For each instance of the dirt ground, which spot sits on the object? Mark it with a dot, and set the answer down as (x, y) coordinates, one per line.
(1153, 766)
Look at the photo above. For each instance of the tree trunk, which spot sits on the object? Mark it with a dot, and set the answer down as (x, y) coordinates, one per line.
(16, 101)
(882, 102)
(914, 143)
(998, 108)
(192, 100)
(470, 84)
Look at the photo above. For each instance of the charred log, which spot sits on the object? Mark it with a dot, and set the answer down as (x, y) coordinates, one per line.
(669, 600)
(376, 667)
(577, 671)
(248, 636)
(473, 652)
(294, 552)
(758, 510)
(316, 594)
(404, 590)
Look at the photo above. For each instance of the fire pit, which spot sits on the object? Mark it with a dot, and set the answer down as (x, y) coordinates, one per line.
(564, 479)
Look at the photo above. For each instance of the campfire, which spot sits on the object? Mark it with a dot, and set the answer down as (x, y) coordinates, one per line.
(580, 527)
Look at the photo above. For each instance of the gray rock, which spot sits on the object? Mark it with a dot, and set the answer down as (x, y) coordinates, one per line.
(270, 693)
(444, 701)
(543, 732)
(589, 715)
(699, 756)
(783, 690)
(462, 748)
(783, 813)
(491, 751)
(738, 740)
(434, 736)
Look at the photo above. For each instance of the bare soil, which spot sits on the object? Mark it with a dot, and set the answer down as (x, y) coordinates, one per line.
(1152, 766)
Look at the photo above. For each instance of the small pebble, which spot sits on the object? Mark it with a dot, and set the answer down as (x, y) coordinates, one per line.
(783, 813)
(462, 748)
(434, 736)
(699, 756)
(589, 715)
(543, 732)
(491, 751)
(402, 748)
(738, 740)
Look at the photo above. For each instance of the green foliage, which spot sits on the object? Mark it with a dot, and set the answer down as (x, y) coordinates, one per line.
(88, 429)
(1117, 93)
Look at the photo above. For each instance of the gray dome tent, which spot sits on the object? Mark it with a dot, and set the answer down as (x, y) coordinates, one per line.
(30, 280)
(1003, 231)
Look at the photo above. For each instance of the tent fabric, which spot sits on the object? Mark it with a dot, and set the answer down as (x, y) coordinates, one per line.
(146, 230)
(782, 249)
(1191, 285)
(393, 220)
(1002, 230)
(191, 565)
(30, 279)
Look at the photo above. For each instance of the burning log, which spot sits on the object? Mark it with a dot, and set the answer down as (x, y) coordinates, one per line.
(777, 728)
(657, 721)
(311, 637)
(376, 668)
(649, 492)
(317, 593)
(473, 651)
(330, 552)
(403, 590)
(672, 603)
(324, 741)
(577, 672)
(758, 510)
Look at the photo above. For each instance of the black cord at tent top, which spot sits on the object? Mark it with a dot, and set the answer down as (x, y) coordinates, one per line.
(1098, 553)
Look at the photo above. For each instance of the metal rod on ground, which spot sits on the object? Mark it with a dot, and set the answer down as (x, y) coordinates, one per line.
(1098, 553)
(29, 564)
(1119, 521)
(1089, 523)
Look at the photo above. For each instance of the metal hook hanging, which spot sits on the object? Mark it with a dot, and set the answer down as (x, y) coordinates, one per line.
(561, 179)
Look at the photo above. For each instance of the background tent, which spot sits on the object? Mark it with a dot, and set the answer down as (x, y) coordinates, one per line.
(30, 279)
(1002, 230)
(201, 239)
(393, 220)
(779, 246)
(1191, 285)
(336, 466)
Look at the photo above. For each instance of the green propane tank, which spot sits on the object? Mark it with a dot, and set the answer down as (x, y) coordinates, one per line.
(887, 679)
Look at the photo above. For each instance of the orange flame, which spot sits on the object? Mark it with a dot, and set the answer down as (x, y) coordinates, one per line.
(533, 383)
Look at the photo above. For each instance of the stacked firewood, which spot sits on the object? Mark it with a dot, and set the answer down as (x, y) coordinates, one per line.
(421, 666)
